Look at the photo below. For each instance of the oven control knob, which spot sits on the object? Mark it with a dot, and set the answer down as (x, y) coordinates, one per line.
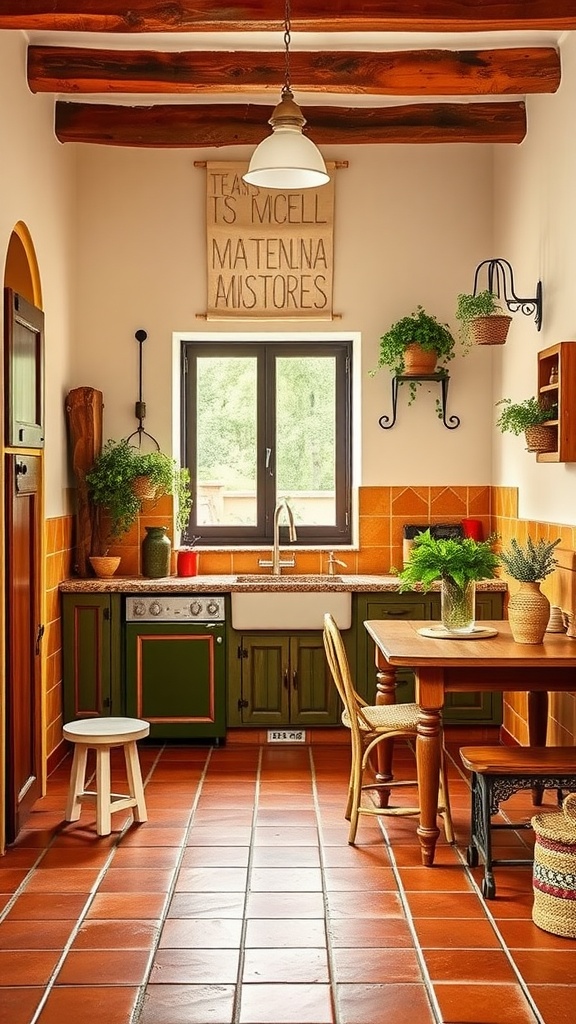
(212, 608)
(195, 608)
(139, 608)
(155, 608)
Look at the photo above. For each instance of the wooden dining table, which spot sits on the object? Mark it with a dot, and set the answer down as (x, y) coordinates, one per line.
(482, 663)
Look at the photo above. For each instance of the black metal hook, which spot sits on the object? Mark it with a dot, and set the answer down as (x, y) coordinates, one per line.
(140, 406)
(501, 284)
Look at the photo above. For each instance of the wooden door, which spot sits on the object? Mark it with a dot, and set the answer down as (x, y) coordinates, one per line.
(23, 636)
(314, 698)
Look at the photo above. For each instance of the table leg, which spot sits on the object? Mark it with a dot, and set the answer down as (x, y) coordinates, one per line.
(385, 694)
(537, 729)
(428, 755)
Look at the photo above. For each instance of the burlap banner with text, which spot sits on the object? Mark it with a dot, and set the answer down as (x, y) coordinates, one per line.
(270, 253)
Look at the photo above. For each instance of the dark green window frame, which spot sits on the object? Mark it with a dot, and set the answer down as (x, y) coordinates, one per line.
(265, 353)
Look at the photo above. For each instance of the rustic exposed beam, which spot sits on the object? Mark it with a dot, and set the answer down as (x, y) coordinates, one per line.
(194, 126)
(404, 73)
(308, 16)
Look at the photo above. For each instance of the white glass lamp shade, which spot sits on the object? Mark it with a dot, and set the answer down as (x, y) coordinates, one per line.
(287, 159)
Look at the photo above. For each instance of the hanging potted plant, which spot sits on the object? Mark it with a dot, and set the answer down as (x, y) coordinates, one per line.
(532, 418)
(153, 474)
(458, 563)
(482, 320)
(416, 346)
(529, 608)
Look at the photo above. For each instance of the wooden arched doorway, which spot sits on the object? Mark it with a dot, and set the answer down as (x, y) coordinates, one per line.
(22, 535)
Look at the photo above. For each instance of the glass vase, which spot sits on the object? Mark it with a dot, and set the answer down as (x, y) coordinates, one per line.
(458, 606)
(156, 551)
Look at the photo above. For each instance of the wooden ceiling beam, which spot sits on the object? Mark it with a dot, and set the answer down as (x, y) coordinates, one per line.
(405, 73)
(309, 15)
(195, 126)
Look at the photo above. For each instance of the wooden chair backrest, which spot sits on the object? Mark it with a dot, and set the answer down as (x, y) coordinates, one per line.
(340, 669)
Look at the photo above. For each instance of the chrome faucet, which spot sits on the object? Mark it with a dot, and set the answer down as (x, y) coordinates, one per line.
(278, 563)
(332, 561)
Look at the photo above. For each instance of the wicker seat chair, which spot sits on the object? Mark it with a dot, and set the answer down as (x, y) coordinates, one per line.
(370, 725)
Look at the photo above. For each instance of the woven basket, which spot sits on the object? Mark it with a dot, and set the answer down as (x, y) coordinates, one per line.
(554, 877)
(490, 330)
(541, 439)
(143, 488)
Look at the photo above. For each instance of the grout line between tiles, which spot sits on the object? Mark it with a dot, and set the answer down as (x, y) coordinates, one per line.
(237, 1004)
(327, 929)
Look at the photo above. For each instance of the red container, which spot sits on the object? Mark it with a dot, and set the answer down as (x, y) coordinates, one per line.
(473, 528)
(187, 562)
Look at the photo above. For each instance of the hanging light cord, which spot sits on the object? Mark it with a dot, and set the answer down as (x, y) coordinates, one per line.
(287, 83)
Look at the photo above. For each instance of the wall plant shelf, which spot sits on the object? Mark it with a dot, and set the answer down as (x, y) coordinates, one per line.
(386, 422)
(557, 386)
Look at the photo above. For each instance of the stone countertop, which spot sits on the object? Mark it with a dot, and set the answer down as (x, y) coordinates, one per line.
(228, 584)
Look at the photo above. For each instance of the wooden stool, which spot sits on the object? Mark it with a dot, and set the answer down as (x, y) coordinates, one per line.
(102, 734)
(497, 773)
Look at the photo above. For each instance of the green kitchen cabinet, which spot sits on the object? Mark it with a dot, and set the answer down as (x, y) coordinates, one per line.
(473, 708)
(92, 660)
(282, 680)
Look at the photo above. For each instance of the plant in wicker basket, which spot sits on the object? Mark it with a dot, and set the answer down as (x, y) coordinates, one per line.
(482, 320)
(531, 417)
(529, 608)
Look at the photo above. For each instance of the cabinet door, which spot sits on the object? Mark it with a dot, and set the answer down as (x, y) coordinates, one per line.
(92, 660)
(313, 696)
(265, 680)
(393, 607)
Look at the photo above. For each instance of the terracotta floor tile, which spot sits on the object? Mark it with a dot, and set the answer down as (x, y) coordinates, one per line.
(147, 880)
(18, 934)
(364, 904)
(206, 836)
(207, 904)
(104, 966)
(286, 1004)
(287, 879)
(17, 1005)
(201, 966)
(47, 906)
(214, 879)
(117, 935)
(549, 967)
(68, 880)
(555, 1003)
(201, 933)
(286, 934)
(380, 932)
(497, 1004)
(410, 855)
(216, 856)
(355, 856)
(465, 965)
(127, 906)
(454, 933)
(295, 966)
(157, 857)
(285, 904)
(439, 878)
(24, 967)
(360, 879)
(445, 904)
(273, 835)
(62, 857)
(150, 835)
(373, 966)
(383, 1004)
(280, 856)
(188, 1004)
(523, 934)
(113, 1005)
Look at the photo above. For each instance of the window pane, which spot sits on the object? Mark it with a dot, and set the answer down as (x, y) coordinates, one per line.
(226, 441)
(306, 436)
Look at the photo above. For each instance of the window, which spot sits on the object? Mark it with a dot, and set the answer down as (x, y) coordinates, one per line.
(263, 421)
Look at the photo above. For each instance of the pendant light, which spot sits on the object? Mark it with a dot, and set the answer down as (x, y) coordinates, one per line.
(287, 159)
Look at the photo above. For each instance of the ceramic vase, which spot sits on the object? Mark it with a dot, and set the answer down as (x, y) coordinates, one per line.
(528, 614)
(458, 606)
(156, 550)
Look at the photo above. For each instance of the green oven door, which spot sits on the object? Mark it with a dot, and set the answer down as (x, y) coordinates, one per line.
(175, 678)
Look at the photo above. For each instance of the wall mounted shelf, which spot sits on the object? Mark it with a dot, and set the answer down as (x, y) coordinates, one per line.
(556, 385)
(386, 422)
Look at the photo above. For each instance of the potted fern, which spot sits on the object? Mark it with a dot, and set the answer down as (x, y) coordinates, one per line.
(531, 417)
(458, 563)
(416, 346)
(529, 608)
(482, 320)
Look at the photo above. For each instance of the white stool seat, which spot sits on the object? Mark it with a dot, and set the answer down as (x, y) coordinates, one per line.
(102, 734)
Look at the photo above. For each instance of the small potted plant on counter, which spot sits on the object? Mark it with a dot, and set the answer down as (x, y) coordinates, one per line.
(458, 563)
(482, 320)
(532, 418)
(529, 608)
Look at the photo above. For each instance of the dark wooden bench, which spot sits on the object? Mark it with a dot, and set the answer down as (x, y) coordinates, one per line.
(497, 773)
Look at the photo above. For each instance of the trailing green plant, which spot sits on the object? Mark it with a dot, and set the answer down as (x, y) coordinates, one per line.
(517, 416)
(158, 467)
(458, 560)
(422, 328)
(109, 485)
(529, 562)
(469, 307)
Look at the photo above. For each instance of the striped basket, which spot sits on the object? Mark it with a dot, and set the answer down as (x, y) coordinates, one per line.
(554, 877)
